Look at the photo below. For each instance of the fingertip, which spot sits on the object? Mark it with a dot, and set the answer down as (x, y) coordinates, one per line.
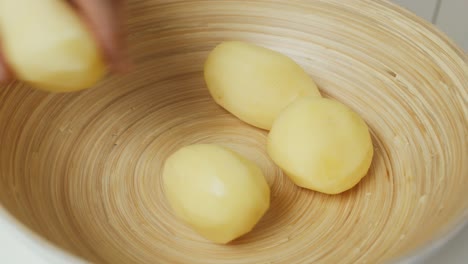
(117, 57)
(105, 21)
(5, 75)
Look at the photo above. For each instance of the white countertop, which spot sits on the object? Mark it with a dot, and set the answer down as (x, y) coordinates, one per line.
(17, 248)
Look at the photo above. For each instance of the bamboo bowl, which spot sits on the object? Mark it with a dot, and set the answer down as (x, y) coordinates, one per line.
(82, 170)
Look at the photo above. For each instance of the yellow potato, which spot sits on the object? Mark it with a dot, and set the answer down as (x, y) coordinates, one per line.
(48, 46)
(216, 191)
(255, 83)
(321, 145)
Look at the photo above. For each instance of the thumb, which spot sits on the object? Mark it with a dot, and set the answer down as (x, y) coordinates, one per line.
(104, 17)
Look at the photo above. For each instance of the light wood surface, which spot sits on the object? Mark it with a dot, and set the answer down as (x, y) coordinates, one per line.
(83, 169)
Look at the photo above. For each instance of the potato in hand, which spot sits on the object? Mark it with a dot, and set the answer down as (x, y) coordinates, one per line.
(321, 144)
(255, 83)
(216, 191)
(48, 46)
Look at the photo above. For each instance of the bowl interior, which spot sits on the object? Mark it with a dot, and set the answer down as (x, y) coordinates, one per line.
(83, 169)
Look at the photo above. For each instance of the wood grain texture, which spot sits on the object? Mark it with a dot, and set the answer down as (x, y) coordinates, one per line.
(83, 169)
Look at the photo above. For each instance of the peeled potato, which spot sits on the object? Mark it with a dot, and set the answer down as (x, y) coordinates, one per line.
(255, 83)
(216, 191)
(47, 45)
(321, 144)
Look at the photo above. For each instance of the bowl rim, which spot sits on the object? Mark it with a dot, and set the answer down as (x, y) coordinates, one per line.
(36, 244)
(434, 245)
(54, 254)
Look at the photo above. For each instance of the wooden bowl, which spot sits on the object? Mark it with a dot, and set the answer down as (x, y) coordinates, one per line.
(83, 170)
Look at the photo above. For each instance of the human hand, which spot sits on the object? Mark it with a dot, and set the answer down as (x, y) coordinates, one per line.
(104, 18)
